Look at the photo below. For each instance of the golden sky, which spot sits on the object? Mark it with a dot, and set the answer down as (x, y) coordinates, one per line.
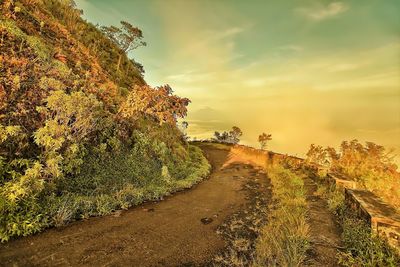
(304, 71)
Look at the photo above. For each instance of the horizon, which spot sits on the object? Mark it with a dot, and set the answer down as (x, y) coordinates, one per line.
(313, 72)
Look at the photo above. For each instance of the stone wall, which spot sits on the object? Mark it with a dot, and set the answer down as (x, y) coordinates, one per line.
(384, 219)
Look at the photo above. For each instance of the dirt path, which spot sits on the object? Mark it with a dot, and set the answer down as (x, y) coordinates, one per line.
(179, 231)
(325, 234)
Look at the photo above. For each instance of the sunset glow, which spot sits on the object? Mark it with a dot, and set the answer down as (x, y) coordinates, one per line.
(307, 72)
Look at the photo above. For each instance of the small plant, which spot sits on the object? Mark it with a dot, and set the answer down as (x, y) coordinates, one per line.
(64, 214)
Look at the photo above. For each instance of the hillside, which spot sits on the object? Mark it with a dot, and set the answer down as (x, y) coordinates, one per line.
(81, 133)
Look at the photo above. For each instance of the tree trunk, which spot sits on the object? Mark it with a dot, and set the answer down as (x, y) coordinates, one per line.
(119, 62)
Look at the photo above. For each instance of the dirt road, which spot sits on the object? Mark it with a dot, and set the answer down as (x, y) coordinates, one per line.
(179, 231)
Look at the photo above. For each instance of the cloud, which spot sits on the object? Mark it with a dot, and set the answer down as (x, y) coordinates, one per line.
(190, 77)
(318, 13)
(231, 32)
(295, 48)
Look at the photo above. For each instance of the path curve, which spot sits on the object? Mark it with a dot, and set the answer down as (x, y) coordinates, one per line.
(167, 233)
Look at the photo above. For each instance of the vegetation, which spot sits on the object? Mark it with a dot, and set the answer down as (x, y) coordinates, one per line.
(263, 140)
(361, 247)
(127, 38)
(231, 137)
(81, 133)
(284, 239)
(371, 165)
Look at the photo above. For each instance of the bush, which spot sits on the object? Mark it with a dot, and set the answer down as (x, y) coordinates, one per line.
(362, 247)
(20, 211)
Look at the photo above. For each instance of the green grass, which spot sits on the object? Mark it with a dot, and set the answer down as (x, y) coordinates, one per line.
(102, 188)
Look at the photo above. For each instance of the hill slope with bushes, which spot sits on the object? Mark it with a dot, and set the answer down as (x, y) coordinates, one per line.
(81, 133)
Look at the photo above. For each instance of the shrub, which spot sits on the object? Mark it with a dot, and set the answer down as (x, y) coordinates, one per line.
(364, 248)
(20, 212)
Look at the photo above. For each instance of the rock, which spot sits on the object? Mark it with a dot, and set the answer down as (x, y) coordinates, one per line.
(206, 220)
(117, 213)
(149, 210)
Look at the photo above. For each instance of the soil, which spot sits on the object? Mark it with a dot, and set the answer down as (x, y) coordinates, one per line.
(325, 232)
(242, 228)
(186, 229)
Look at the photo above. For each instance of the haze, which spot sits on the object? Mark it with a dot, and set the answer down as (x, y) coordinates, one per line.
(304, 71)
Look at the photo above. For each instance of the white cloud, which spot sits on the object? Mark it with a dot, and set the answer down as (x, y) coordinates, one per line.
(231, 32)
(190, 77)
(318, 13)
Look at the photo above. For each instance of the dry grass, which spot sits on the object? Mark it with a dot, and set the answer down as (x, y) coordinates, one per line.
(284, 240)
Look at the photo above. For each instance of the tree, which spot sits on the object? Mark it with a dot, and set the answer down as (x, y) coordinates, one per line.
(231, 137)
(318, 155)
(263, 139)
(235, 134)
(128, 37)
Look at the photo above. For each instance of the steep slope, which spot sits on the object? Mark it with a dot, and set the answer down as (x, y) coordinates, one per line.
(81, 133)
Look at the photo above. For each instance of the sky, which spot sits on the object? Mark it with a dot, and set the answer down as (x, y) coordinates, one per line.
(304, 71)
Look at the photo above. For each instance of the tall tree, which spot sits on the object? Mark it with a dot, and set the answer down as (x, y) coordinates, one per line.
(127, 37)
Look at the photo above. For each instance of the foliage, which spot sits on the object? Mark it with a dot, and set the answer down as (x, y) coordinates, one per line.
(263, 140)
(317, 155)
(371, 165)
(19, 208)
(70, 122)
(158, 103)
(284, 240)
(364, 248)
(231, 137)
(127, 37)
(77, 137)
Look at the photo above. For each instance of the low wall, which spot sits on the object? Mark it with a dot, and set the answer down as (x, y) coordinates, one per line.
(258, 157)
(384, 219)
(341, 182)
